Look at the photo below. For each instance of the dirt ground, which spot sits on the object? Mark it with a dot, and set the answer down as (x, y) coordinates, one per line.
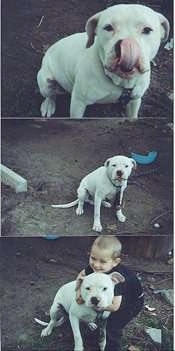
(25, 38)
(32, 270)
(54, 156)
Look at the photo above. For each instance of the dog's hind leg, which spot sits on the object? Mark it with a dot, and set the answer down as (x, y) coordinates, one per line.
(48, 107)
(49, 88)
(82, 197)
(53, 321)
(104, 203)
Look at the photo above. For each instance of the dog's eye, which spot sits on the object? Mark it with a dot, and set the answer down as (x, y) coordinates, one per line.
(87, 288)
(104, 289)
(147, 30)
(126, 166)
(113, 165)
(108, 28)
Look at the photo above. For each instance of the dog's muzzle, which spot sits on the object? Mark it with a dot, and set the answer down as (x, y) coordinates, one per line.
(119, 173)
(128, 59)
(95, 300)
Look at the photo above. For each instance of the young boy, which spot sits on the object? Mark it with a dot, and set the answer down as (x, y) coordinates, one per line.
(128, 296)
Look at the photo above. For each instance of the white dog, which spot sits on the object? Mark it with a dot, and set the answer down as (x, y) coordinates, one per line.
(103, 184)
(97, 291)
(110, 62)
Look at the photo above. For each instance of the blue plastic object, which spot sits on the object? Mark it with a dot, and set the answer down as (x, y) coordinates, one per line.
(144, 159)
(52, 236)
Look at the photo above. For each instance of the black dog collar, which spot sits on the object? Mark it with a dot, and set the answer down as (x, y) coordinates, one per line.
(116, 186)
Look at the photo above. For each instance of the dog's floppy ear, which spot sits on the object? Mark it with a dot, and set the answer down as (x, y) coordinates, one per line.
(117, 277)
(91, 25)
(165, 27)
(134, 164)
(106, 164)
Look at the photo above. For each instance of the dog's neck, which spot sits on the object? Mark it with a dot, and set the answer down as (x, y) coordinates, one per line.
(118, 187)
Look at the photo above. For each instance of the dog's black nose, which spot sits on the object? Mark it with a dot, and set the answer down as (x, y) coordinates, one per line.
(118, 48)
(94, 300)
(119, 173)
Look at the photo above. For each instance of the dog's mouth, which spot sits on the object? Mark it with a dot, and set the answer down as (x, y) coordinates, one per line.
(97, 307)
(96, 303)
(127, 62)
(122, 71)
(119, 179)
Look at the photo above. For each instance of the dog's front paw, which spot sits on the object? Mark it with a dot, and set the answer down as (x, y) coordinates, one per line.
(46, 332)
(106, 204)
(121, 217)
(92, 326)
(48, 107)
(79, 211)
(97, 227)
(78, 348)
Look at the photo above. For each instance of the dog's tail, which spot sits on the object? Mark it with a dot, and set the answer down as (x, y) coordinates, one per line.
(70, 204)
(58, 323)
(40, 322)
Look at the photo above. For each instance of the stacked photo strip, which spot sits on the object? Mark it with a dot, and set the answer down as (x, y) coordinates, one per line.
(87, 175)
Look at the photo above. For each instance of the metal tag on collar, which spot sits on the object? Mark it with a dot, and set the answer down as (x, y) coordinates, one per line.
(125, 97)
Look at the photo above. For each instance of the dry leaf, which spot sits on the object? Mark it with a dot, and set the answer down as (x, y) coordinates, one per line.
(150, 309)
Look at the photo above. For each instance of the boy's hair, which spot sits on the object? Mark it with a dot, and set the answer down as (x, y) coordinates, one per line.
(110, 243)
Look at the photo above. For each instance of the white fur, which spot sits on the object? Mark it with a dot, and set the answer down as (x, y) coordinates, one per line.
(96, 285)
(102, 184)
(82, 71)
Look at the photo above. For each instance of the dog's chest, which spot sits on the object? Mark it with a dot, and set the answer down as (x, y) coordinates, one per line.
(111, 194)
(89, 317)
(85, 313)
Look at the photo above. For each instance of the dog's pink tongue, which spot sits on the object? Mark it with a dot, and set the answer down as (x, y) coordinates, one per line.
(129, 54)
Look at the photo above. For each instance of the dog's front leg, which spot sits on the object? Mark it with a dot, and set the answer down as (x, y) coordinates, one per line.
(132, 108)
(78, 342)
(97, 206)
(119, 213)
(77, 106)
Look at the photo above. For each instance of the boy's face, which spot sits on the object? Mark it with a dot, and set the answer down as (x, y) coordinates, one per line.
(101, 261)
